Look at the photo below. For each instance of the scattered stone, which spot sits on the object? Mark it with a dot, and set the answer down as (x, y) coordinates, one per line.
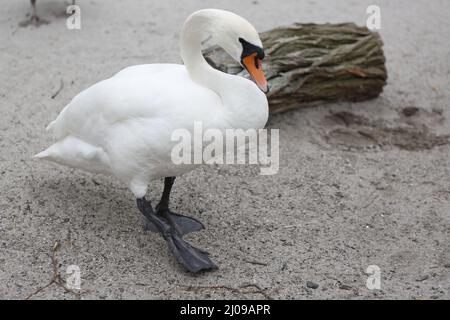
(409, 111)
(438, 111)
(312, 285)
(422, 278)
(339, 194)
(345, 287)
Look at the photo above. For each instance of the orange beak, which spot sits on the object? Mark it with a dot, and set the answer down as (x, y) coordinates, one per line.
(254, 67)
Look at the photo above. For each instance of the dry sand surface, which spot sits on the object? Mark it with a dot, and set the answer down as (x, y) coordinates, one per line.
(359, 184)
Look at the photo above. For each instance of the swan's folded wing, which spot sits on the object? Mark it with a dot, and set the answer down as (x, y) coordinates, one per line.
(147, 91)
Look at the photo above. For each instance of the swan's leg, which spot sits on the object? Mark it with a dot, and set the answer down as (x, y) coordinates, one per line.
(191, 258)
(34, 13)
(34, 19)
(182, 224)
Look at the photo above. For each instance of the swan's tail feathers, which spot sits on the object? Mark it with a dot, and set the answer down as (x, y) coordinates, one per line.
(76, 153)
(42, 155)
(51, 126)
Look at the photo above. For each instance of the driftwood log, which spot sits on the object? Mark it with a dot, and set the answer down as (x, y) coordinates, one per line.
(310, 63)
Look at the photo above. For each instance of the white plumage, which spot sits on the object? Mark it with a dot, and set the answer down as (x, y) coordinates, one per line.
(123, 125)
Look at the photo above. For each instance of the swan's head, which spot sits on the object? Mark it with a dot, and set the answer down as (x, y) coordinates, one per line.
(241, 41)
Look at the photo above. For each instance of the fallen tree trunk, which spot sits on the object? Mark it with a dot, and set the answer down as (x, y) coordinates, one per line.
(309, 63)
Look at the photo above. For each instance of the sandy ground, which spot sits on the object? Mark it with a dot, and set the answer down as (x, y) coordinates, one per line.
(341, 201)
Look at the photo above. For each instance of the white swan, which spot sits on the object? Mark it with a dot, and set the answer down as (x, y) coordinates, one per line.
(123, 125)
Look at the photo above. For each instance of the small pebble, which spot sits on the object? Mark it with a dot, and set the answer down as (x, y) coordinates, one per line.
(410, 111)
(423, 278)
(345, 287)
(312, 285)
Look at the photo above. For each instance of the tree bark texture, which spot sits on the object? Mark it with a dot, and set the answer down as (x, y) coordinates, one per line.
(308, 64)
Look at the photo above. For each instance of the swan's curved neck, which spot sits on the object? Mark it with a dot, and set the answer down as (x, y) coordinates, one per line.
(245, 106)
(194, 30)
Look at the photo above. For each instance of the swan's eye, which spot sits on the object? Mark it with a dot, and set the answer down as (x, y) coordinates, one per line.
(249, 49)
(261, 54)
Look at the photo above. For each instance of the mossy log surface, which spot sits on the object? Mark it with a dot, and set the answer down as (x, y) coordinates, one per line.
(308, 64)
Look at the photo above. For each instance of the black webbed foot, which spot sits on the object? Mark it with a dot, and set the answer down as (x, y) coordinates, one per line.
(193, 259)
(33, 20)
(181, 223)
